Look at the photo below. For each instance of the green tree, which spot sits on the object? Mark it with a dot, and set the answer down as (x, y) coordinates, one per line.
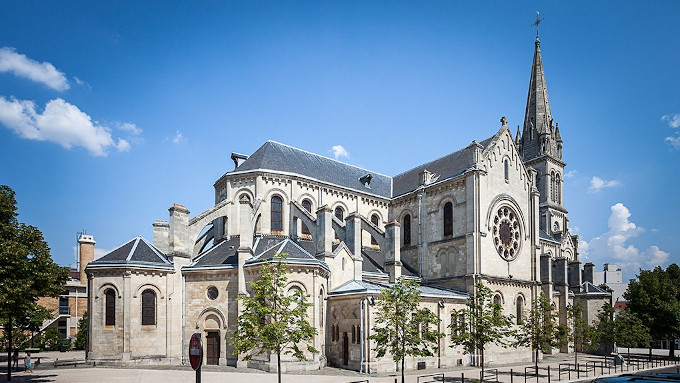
(272, 320)
(402, 328)
(580, 332)
(481, 323)
(27, 271)
(81, 336)
(653, 298)
(540, 329)
(52, 339)
(605, 328)
(630, 331)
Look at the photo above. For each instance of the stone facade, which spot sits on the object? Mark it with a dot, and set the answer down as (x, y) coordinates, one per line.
(492, 212)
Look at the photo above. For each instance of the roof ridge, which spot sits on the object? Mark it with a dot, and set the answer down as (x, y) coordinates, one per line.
(440, 157)
(134, 247)
(328, 158)
(154, 249)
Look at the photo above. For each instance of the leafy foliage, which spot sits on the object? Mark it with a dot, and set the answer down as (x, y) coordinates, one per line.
(52, 339)
(482, 323)
(273, 321)
(81, 336)
(653, 298)
(540, 330)
(27, 271)
(402, 328)
(579, 332)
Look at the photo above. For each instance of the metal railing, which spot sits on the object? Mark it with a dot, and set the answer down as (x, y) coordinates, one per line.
(430, 378)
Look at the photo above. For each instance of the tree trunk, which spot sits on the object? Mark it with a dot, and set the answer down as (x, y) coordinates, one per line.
(278, 363)
(402, 371)
(650, 352)
(9, 349)
(481, 354)
(536, 361)
(671, 352)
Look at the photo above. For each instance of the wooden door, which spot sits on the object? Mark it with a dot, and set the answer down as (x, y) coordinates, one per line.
(345, 349)
(212, 341)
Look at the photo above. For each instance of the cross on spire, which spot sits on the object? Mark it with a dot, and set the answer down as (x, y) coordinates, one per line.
(536, 23)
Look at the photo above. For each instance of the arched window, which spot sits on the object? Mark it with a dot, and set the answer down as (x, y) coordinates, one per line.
(497, 300)
(374, 220)
(520, 309)
(448, 219)
(277, 214)
(354, 334)
(321, 308)
(552, 186)
(110, 309)
(148, 307)
(454, 323)
(407, 230)
(558, 189)
(307, 204)
(339, 213)
(506, 166)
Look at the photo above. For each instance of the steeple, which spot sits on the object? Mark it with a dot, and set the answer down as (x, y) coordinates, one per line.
(538, 134)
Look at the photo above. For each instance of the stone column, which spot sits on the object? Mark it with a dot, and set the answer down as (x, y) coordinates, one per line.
(161, 233)
(392, 251)
(574, 274)
(589, 272)
(179, 242)
(324, 232)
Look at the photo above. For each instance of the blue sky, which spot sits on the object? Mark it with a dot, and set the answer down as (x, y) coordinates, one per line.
(110, 112)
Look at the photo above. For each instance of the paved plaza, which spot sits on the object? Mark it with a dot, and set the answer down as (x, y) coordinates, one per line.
(46, 372)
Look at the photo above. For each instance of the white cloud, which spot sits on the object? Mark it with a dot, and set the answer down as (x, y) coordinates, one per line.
(339, 151)
(129, 127)
(614, 246)
(675, 141)
(673, 120)
(61, 123)
(570, 173)
(597, 184)
(22, 66)
(179, 138)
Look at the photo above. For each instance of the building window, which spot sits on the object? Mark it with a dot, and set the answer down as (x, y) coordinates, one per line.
(354, 334)
(407, 230)
(321, 308)
(110, 309)
(558, 186)
(497, 300)
(148, 307)
(448, 219)
(277, 214)
(506, 166)
(552, 186)
(213, 293)
(63, 305)
(520, 309)
(339, 213)
(307, 204)
(374, 220)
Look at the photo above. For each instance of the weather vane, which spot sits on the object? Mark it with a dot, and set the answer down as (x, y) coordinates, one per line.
(536, 23)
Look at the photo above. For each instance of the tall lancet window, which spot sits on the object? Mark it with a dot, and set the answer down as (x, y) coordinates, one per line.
(407, 229)
(506, 166)
(277, 214)
(448, 219)
(307, 204)
(374, 220)
(558, 189)
(552, 186)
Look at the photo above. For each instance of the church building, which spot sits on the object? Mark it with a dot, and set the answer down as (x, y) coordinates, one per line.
(492, 212)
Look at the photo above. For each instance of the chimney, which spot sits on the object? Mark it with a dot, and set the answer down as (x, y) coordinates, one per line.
(86, 243)
(178, 243)
(589, 272)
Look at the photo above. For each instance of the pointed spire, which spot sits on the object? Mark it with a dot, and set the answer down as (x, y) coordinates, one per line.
(558, 137)
(518, 136)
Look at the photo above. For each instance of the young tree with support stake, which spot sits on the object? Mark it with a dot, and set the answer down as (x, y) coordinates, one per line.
(580, 332)
(272, 320)
(483, 324)
(27, 271)
(398, 321)
(540, 329)
(630, 331)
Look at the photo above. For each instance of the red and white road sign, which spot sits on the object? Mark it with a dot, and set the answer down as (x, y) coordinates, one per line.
(196, 351)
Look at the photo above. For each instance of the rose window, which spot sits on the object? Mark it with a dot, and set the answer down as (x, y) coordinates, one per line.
(506, 235)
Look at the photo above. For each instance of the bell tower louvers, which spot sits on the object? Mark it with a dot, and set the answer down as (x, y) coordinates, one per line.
(540, 144)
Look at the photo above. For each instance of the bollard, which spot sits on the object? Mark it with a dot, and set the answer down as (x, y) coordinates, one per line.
(578, 372)
(548, 373)
(462, 377)
(511, 376)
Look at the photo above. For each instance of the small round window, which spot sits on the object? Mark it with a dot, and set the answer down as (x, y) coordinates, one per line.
(213, 293)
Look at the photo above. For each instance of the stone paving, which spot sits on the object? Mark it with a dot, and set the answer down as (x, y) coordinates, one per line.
(46, 372)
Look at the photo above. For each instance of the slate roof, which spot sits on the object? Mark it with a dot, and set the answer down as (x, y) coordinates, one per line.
(222, 254)
(589, 288)
(374, 262)
(138, 251)
(283, 158)
(265, 248)
(366, 287)
(445, 167)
